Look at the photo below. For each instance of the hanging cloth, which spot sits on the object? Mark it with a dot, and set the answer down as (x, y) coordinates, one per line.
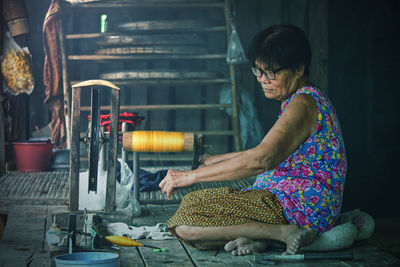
(52, 74)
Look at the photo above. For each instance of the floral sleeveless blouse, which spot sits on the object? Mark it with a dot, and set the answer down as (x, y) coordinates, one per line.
(309, 183)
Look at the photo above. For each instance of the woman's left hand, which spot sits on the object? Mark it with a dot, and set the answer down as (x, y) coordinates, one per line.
(175, 179)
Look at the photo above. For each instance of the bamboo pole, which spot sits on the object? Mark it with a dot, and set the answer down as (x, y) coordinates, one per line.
(234, 89)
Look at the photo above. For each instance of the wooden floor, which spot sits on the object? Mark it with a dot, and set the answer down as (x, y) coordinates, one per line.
(23, 244)
(30, 200)
(51, 188)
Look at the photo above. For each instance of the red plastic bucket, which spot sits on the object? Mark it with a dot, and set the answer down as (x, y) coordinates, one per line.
(32, 156)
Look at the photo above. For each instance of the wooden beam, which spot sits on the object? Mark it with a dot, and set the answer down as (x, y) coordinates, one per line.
(2, 115)
(75, 150)
(318, 37)
(234, 88)
(95, 35)
(2, 133)
(113, 152)
(65, 82)
(33, 201)
(145, 4)
(229, 132)
(145, 57)
(164, 107)
(167, 82)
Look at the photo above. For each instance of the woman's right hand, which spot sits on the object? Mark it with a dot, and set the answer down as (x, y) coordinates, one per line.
(175, 179)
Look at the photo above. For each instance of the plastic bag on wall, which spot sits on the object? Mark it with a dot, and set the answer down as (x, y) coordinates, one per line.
(16, 67)
(96, 201)
(123, 190)
(235, 54)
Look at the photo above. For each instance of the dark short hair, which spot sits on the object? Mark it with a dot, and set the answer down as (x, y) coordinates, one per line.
(283, 45)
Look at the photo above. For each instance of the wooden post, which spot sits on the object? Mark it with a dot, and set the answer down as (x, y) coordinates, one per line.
(67, 103)
(318, 37)
(112, 154)
(2, 135)
(232, 74)
(75, 150)
(2, 117)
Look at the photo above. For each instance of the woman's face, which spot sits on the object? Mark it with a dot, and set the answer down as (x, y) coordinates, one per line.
(281, 87)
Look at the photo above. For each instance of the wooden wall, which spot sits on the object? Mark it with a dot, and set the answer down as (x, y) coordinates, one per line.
(309, 15)
(251, 16)
(161, 120)
(363, 83)
(356, 59)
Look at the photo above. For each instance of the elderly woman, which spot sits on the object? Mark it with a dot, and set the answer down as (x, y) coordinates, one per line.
(300, 163)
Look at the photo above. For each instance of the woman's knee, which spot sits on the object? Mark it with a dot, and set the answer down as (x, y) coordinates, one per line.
(187, 232)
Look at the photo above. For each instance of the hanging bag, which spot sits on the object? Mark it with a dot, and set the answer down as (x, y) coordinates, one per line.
(16, 68)
(235, 53)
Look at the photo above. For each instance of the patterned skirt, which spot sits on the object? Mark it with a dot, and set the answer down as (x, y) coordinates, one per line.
(225, 206)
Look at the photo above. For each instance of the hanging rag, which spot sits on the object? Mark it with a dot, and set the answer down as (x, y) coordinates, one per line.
(52, 74)
(157, 232)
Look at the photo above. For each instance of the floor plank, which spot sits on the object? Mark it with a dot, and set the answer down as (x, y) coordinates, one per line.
(174, 256)
(23, 244)
(211, 258)
(25, 226)
(52, 188)
(13, 256)
(130, 257)
(22, 241)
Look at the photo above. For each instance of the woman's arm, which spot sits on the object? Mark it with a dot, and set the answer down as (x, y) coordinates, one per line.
(295, 125)
(212, 159)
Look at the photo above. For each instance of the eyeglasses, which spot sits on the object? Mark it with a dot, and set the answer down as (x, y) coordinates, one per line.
(270, 74)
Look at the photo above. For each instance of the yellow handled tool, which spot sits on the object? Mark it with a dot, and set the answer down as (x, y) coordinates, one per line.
(128, 242)
(123, 241)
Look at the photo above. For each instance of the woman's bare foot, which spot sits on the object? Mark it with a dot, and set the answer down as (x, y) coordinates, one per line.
(244, 246)
(296, 239)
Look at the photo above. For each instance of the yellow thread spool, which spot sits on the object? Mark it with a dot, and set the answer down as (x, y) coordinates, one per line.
(158, 141)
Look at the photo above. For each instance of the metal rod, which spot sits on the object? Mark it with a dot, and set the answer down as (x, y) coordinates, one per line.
(136, 176)
(124, 152)
(94, 139)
